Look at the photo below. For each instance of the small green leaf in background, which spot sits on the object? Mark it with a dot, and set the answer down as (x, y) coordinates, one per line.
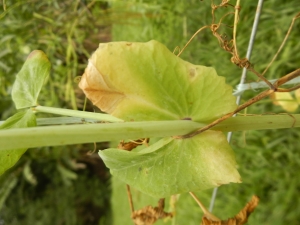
(171, 166)
(66, 174)
(30, 79)
(6, 188)
(8, 158)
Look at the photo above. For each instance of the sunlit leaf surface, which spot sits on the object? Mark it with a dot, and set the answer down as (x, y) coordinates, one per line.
(145, 81)
(30, 80)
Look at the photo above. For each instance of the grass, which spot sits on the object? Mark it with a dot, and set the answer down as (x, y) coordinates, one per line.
(69, 31)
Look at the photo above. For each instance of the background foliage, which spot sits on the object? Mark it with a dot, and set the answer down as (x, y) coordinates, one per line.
(68, 32)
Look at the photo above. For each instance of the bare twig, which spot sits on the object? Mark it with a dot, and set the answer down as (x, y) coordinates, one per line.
(207, 214)
(130, 198)
(236, 19)
(282, 44)
(189, 41)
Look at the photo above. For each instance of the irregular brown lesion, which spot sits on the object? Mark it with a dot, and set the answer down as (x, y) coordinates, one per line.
(192, 72)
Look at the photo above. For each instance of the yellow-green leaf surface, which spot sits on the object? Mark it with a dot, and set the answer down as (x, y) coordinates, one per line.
(21, 119)
(286, 101)
(172, 166)
(145, 81)
(30, 80)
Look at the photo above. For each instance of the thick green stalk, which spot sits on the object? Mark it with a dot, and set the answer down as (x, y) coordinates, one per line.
(259, 122)
(85, 133)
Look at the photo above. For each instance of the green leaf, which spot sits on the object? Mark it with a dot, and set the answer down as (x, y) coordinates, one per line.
(8, 158)
(30, 80)
(172, 166)
(145, 81)
(67, 175)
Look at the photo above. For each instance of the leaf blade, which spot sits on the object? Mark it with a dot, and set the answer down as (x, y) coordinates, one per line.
(173, 166)
(161, 86)
(30, 79)
(8, 158)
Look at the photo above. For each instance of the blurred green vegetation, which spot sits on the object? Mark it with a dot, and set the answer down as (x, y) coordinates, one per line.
(61, 185)
(46, 187)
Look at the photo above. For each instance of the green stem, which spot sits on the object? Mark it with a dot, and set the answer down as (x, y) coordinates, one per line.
(85, 133)
(75, 113)
(259, 122)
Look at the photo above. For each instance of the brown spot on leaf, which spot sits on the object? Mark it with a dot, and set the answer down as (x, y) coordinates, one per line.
(192, 72)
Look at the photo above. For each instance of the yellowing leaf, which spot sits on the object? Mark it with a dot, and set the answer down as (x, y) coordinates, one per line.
(297, 95)
(145, 81)
(286, 101)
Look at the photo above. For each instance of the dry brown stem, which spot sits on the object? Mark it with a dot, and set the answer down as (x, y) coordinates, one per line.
(207, 214)
(130, 198)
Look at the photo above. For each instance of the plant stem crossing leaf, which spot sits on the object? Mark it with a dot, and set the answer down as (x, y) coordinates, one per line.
(147, 82)
(172, 166)
(21, 119)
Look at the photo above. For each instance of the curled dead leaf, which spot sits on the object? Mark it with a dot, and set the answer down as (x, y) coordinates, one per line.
(149, 215)
(240, 219)
(128, 146)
